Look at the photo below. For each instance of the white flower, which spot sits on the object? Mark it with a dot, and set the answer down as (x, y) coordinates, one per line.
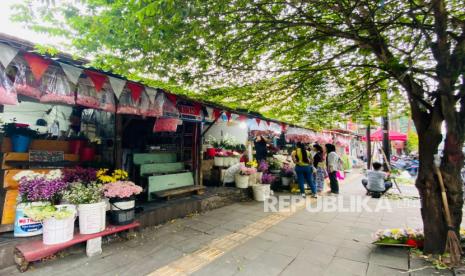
(53, 174)
(26, 174)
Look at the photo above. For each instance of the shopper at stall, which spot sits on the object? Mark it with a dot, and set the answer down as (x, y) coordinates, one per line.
(261, 150)
(304, 168)
(320, 165)
(333, 164)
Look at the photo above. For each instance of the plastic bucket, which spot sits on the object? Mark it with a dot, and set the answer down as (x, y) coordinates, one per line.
(286, 181)
(24, 226)
(122, 203)
(219, 161)
(242, 181)
(92, 217)
(75, 146)
(20, 143)
(59, 230)
(122, 217)
(261, 192)
(87, 154)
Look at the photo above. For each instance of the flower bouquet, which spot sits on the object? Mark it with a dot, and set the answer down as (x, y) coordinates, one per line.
(407, 237)
(104, 175)
(275, 166)
(35, 186)
(121, 195)
(91, 206)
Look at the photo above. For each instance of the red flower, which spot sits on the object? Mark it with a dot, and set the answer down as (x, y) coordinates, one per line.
(412, 243)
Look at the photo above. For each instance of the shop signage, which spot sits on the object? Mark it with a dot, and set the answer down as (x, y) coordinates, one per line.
(189, 112)
(46, 156)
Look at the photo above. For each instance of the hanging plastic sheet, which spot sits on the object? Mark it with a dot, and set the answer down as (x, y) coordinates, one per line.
(24, 81)
(152, 105)
(7, 92)
(107, 98)
(169, 108)
(55, 87)
(166, 124)
(126, 104)
(87, 95)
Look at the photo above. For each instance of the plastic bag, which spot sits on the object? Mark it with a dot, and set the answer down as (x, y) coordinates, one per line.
(25, 84)
(152, 107)
(107, 98)
(55, 87)
(86, 94)
(126, 104)
(7, 91)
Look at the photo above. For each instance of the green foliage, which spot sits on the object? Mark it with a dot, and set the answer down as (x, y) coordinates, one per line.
(412, 141)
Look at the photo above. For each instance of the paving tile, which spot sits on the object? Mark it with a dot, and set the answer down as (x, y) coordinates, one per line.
(301, 267)
(390, 257)
(378, 270)
(266, 264)
(358, 254)
(340, 266)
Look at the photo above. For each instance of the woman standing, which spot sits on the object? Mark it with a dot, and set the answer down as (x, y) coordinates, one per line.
(320, 165)
(303, 167)
(332, 164)
(260, 148)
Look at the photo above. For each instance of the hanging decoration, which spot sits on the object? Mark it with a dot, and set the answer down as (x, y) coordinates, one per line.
(25, 83)
(166, 125)
(7, 54)
(169, 108)
(216, 113)
(173, 98)
(126, 104)
(98, 79)
(117, 85)
(283, 127)
(7, 92)
(258, 121)
(55, 87)
(136, 90)
(72, 73)
(268, 123)
(242, 118)
(38, 64)
(228, 115)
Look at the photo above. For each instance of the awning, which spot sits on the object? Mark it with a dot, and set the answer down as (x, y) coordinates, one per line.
(393, 136)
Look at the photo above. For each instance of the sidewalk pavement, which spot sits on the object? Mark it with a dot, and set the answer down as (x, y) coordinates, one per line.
(242, 239)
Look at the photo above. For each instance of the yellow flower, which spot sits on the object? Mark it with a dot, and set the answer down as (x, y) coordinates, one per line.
(252, 164)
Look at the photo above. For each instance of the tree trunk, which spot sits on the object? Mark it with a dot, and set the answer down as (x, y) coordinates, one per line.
(432, 210)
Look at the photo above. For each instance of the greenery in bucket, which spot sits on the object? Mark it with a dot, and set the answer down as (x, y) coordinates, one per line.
(12, 129)
(40, 213)
(79, 193)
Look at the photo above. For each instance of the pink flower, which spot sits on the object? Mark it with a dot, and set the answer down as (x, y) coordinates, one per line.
(121, 189)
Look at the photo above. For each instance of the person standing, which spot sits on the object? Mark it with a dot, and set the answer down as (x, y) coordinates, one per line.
(303, 168)
(333, 165)
(261, 150)
(320, 165)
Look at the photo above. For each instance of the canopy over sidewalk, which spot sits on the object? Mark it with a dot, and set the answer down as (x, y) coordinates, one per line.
(393, 136)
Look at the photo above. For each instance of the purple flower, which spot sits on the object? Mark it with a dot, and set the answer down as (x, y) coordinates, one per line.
(263, 166)
(79, 174)
(268, 178)
(41, 189)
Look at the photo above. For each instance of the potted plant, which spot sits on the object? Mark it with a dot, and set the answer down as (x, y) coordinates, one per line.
(214, 146)
(20, 134)
(242, 178)
(121, 195)
(35, 189)
(77, 142)
(253, 178)
(275, 166)
(90, 204)
(287, 175)
(57, 221)
(262, 191)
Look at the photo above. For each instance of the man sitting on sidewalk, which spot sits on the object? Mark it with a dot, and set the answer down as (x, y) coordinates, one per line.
(376, 183)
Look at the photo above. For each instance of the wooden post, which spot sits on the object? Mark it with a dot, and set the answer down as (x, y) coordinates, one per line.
(369, 155)
(118, 150)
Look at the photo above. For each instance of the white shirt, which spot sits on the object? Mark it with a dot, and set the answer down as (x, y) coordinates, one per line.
(376, 180)
(333, 161)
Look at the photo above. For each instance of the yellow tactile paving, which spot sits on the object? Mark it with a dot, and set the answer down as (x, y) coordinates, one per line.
(219, 246)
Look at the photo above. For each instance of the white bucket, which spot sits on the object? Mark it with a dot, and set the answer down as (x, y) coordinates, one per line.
(92, 217)
(123, 205)
(59, 230)
(261, 192)
(259, 176)
(286, 181)
(24, 226)
(242, 181)
(253, 179)
(219, 161)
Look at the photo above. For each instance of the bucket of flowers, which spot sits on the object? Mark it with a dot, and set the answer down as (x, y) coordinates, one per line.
(406, 237)
(242, 178)
(40, 195)
(87, 193)
(121, 195)
(219, 159)
(262, 168)
(262, 191)
(275, 166)
(287, 174)
(253, 179)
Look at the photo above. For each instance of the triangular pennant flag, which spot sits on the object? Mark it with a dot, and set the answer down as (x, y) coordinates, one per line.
(172, 98)
(267, 123)
(242, 118)
(7, 54)
(136, 90)
(283, 127)
(210, 112)
(197, 108)
(151, 92)
(228, 115)
(258, 121)
(98, 79)
(38, 64)
(216, 113)
(71, 72)
(117, 85)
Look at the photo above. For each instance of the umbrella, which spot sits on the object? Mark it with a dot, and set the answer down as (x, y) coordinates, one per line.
(393, 136)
